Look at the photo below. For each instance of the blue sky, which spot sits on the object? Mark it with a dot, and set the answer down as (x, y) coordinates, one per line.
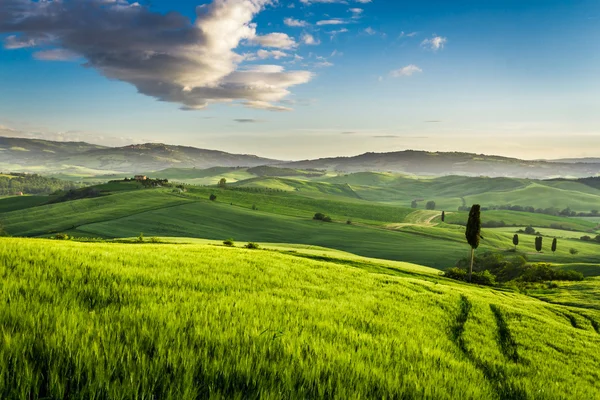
(517, 78)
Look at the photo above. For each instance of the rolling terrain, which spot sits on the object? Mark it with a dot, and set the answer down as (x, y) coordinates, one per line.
(85, 320)
(249, 211)
(83, 160)
(146, 290)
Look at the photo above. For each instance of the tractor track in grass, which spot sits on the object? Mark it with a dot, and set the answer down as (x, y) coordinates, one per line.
(506, 342)
(496, 375)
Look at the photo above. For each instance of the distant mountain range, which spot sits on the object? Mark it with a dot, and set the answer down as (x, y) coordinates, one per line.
(32, 155)
(84, 159)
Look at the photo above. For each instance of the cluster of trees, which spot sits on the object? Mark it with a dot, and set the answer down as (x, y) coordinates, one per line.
(557, 212)
(11, 184)
(491, 268)
(322, 217)
(430, 205)
(473, 236)
(587, 238)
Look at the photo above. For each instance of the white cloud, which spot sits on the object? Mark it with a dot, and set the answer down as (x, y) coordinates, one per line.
(165, 56)
(309, 39)
(276, 40)
(410, 34)
(296, 23)
(435, 43)
(276, 54)
(370, 31)
(333, 21)
(356, 12)
(406, 71)
(334, 33)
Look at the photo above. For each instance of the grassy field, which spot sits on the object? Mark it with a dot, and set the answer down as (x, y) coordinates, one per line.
(377, 230)
(195, 321)
(15, 203)
(517, 218)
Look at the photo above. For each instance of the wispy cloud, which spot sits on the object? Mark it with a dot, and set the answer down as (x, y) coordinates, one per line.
(296, 23)
(55, 55)
(435, 43)
(309, 39)
(409, 70)
(333, 21)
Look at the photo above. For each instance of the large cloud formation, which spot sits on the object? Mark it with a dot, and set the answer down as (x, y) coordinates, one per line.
(165, 56)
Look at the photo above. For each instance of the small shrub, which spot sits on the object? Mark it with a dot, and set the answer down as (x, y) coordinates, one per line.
(349, 222)
(484, 278)
(61, 236)
(254, 207)
(480, 278)
(213, 197)
(140, 238)
(456, 273)
(252, 246)
(573, 251)
(319, 217)
(228, 242)
(155, 240)
(327, 219)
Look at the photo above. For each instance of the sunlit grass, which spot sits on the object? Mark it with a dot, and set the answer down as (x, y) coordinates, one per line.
(187, 321)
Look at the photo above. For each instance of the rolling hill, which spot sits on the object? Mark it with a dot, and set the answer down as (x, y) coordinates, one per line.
(255, 213)
(439, 164)
(85, 320)
(87, 160)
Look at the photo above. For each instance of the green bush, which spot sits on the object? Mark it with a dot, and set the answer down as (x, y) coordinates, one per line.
(319, 216)
(61, 236)
(543, 272)
(252, 246)
(327, 219)
(228, 242)
(480, 278)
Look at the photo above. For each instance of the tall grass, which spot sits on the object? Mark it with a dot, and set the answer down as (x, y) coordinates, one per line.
(121, 321)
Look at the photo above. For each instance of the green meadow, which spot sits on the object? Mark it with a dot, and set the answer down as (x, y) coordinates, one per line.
(99, 320)
(146, 301)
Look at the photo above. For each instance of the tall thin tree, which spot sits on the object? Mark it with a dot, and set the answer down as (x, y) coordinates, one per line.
(443, 216)
(554, 245)
(516, 241)
(538, 243)
(473, 233)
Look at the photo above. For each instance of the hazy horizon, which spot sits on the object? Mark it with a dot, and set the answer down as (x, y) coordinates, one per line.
(305, 79)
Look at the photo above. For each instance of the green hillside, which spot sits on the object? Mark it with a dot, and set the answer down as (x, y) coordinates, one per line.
(196, 321)
(256, 214)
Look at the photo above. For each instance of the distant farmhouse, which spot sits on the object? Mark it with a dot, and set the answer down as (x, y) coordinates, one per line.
(140, 177)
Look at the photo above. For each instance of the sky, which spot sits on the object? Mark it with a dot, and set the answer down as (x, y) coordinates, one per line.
(306, 78)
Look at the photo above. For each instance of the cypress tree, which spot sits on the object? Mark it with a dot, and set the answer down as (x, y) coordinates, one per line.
(538, 244)
(554, 245)
(516, 240)
(473, 232)
(443, 216)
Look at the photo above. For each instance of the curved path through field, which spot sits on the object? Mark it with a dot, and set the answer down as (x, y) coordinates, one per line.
(418, 218)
